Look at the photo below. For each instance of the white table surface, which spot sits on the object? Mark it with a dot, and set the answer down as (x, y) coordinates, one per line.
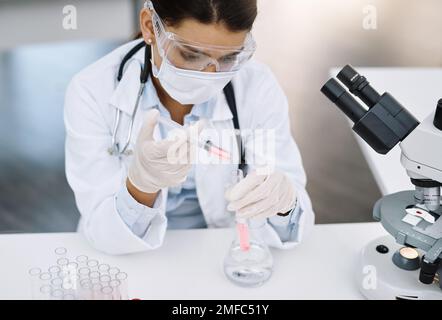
(419, 90)
(189, 264)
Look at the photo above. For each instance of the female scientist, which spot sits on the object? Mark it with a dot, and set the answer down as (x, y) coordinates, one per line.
(191, 65)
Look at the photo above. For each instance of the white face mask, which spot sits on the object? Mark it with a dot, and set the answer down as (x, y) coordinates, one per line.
(188, 86)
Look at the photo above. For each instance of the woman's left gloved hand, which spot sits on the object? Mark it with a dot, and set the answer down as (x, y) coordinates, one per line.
(262, 196)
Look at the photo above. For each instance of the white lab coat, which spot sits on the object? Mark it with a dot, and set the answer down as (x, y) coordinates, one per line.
(96, 177)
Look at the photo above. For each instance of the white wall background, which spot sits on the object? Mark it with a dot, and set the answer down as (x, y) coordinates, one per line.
(25, 21)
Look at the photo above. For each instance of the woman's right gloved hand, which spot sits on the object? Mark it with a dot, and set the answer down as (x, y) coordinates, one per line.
(158, 164)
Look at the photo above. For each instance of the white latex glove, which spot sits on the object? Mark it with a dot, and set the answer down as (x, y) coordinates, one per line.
(261, 196)
(159, 164)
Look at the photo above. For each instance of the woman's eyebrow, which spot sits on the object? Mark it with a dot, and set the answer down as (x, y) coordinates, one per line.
(194, 50)
(232, 54)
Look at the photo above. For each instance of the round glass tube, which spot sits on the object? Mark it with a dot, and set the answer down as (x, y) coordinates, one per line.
(61, 251)
(69, 296)
(45, 277)
(54, 270)
(85, 282)
(45, 292)
(57, 294)
(57, 282)
(122, 277)
(84, 273)
(34, 272)
(94, 276)
(82, 260)
(71, 282)
(103, 268)
(96, 291)
(93, 265)
(85, 291)
(113, 272)
(62, 262)
(107, 293)
(115, 284)
(63, 274)
(34, 282)
(72, 266)
(105, 279)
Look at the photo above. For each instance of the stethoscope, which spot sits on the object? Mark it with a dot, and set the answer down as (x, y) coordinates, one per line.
(115, 148)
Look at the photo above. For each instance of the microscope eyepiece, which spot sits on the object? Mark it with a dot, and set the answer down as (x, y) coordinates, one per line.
(359, 86)
(334, 91)
(348, 76)
(384, 124)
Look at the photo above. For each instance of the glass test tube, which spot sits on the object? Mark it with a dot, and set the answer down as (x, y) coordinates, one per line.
(45, 278)
(57, 294)
(57, 283)
(122, 277)
(54, 271)
(34, 281)
(71, 291)
(107, 293)
(113, 272)
(69, 275)
(63, 274)
(94, 275)
(96, 291)
(45, 292)
(242, 224)
(105, 279)
(71, 282)
(82, 260)
(72, 266)
(63, 263)
(93, 265)
(84, 273)
(69, 296)
(103, 268)
(85, 290)
(115, 285)
(61, 252)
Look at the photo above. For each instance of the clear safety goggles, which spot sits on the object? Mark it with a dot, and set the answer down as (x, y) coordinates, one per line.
(188, 55)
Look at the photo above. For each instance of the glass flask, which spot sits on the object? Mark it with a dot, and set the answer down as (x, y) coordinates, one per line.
(249, 262)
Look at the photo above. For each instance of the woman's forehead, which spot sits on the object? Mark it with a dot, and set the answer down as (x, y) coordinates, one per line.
(214, 34)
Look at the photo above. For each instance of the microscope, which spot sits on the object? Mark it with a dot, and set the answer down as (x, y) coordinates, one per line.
(406, 266)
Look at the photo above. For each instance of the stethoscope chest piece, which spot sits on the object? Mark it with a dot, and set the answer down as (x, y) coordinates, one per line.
(114, 152)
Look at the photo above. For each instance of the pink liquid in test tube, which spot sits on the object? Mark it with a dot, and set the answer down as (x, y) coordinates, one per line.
(243, 231)
(220, 153)
(241, 224)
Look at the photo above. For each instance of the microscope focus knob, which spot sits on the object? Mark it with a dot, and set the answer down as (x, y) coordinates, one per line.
(438, 116)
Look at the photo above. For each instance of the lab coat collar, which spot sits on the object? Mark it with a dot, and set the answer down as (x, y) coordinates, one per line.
(221, 110)
(125, 94)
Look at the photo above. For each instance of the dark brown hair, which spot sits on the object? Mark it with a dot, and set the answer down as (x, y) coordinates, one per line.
(237, 15)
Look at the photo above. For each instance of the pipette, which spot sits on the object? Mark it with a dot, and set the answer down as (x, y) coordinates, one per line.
(207, 145)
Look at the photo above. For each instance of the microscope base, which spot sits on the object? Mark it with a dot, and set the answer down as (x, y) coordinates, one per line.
(378, 278)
